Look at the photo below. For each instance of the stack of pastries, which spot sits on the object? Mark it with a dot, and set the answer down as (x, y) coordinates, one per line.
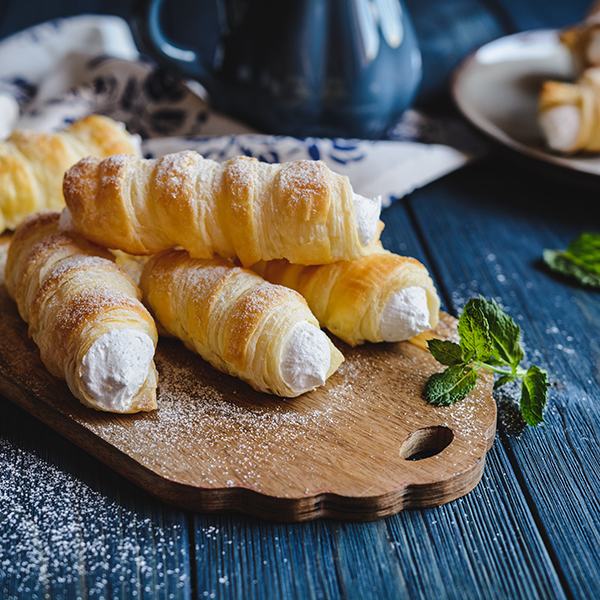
(244, 263)
(569, 111)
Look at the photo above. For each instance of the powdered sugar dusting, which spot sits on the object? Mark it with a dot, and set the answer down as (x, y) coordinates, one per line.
(179, 172)
(212, 431)
(304, 183)
(93, 302)
(227, 436)
(62, 538)
(242, 171)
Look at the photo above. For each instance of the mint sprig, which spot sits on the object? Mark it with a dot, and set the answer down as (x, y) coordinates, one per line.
(489, 339)
(581, 259)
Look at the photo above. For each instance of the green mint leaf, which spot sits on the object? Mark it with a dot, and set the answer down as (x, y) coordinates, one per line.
(565, 264)
(445, 352)
(581, 259)
(504, 333)
(473, 329)
(489, 338)
(503, 380)
(533, 395)
(585, 251)
(451, 385)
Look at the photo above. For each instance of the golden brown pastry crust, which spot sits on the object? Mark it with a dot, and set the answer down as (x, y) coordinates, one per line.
(301, 211)
(349, 297)
(229, 315)
(577, 38)
(32, 164)
(70, 292)
(584, 95)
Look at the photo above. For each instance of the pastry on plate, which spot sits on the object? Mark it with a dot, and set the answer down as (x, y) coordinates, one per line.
(583, 39)
(255, 211)
(32, 164)
(569, 114)
(381, 297)
(262, 333)
(85, 315)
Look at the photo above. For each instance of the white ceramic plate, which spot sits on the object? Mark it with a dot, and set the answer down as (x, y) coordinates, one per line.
(497, 87)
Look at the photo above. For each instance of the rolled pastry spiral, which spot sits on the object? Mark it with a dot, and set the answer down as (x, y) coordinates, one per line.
(301, 210)
(261, 333)
(583, 39)
(569, 113)
(381, 297)
(32, 164)
(84, 314)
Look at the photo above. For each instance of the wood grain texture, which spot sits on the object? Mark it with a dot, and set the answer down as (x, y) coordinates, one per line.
(478, 547)
(487, 544)
(558, 461)
(215, 444)
(72, 528)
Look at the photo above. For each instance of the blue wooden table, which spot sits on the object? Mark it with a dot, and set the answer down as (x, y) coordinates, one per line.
(71, 528)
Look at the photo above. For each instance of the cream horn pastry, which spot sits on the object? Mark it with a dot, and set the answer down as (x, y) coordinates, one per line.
(569, 114)
(262, 333)
(85, 315)
(300, 210)
(381, 297)
(583, 39)
(32, 164)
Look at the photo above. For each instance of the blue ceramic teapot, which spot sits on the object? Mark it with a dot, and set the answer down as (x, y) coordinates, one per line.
(328, 68)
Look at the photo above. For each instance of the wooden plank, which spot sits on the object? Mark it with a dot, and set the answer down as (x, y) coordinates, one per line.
(352, 544)
(483, 546)
(503, 232)
(494, 520)
(72, 528)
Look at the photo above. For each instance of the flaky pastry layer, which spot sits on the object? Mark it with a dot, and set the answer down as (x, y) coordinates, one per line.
(229, 315)
(71, 292)
(349, 297)
(301, 210)
(32, 164)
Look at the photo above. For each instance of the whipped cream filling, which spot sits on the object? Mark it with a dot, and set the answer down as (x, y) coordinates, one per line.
(405, 315)
(65, 222)
(116, 366)
(366, 213)
(561, 125)
(306, 358)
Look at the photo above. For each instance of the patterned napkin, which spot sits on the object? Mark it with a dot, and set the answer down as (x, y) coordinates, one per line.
(62, 70)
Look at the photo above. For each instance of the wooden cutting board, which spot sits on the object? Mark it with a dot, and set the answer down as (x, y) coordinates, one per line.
(346, 450)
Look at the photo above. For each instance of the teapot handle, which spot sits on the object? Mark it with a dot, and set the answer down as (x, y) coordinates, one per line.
(150, 37)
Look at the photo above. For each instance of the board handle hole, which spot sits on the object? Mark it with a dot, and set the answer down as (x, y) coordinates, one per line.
(426, 442)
